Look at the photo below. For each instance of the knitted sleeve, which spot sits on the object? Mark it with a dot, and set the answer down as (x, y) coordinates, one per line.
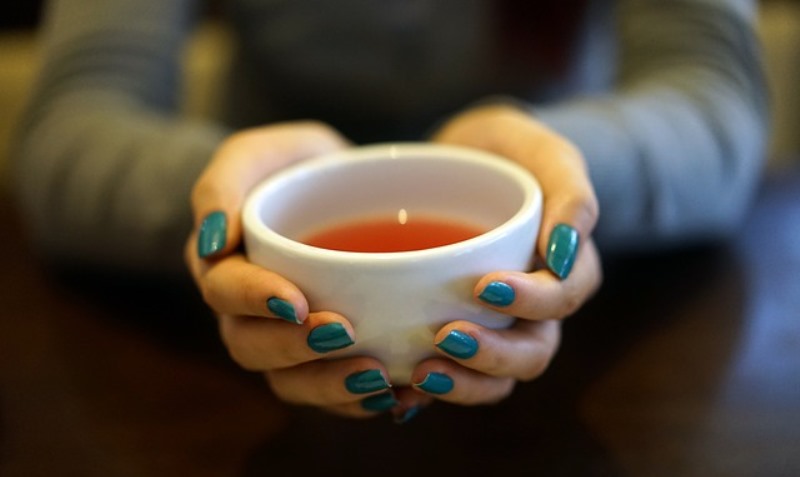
(103, 163)
(675, 149)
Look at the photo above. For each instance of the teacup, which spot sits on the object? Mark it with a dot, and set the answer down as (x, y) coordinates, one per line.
(396, 300)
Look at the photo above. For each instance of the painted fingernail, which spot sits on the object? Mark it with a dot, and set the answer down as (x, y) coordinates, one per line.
(436, 383)
(459, 344)
(330, 337)
(367, 381)
(379, 402)
(498, 294)
(282, 309)
(212, 236)
(562, 249)
(407, 415)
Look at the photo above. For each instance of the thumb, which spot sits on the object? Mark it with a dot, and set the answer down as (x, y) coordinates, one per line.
(570, 209)
(240, 163)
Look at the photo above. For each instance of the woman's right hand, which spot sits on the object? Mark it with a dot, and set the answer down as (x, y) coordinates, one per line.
(264, 319)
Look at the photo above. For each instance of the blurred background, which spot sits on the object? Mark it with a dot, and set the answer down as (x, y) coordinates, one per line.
(206, 55)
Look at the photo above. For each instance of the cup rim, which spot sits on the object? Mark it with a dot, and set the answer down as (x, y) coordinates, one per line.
(253, 225)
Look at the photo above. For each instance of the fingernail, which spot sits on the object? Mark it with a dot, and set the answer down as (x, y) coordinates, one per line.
(498, 294)
(380, 402)
(212, 236)
(459, 345)
(367, 381)
(330, 337)
(436, 383)
(407, 415)
(561, 250)
(282, 309)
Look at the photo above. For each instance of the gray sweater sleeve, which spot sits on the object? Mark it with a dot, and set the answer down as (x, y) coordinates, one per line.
(675, 150)
(103, 163)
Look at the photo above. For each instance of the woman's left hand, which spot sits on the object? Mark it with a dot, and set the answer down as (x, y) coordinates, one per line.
(481, 365)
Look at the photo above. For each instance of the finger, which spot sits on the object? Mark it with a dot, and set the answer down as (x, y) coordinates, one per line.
(240, 163)
(410, 403)
(235, 286)
(330, 382)
(403, 403)
(369, 406)
(323, 388)
(259, 344)
(541, 295)
(448, 381)
(521, 352)
(570, 209)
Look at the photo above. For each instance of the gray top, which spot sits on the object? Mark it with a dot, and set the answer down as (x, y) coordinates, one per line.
(665, 99)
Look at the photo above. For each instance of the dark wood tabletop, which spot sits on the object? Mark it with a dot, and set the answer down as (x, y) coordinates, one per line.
(687, 363)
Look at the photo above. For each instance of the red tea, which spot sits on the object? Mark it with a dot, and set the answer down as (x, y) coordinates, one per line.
(395, 234)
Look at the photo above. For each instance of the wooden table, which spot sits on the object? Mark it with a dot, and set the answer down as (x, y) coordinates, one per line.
(686, 364)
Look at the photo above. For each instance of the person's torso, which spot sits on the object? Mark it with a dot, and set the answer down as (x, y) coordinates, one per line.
(396, 65)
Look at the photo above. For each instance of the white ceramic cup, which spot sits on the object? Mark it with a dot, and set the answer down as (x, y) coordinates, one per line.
(396, 301)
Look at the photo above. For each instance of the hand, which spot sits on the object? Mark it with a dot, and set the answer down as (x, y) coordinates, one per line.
(264, 320)
(483, 365)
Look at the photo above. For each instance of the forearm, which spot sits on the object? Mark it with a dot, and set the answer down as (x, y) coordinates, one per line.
(103, 162)
(110, 185)
(676, 150)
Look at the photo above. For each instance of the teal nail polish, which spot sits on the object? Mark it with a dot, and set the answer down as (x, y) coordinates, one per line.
(282, 309)
(407, 415)
(212, 236)
(459, 345)
(436, 383)
(330, 337)
(562, 249)
(498, 294)
(367, 381)
(380, 402)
